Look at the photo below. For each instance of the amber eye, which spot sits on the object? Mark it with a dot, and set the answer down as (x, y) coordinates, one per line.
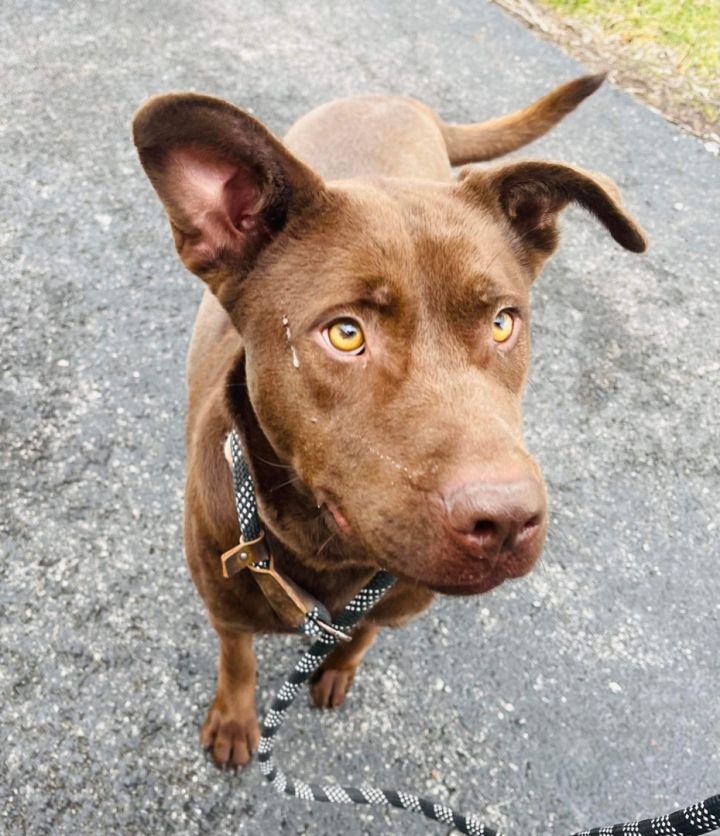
(346, 335)
(502, 326)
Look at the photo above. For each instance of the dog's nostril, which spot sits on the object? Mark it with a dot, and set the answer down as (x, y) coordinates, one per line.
(530, 525)
(484, 528)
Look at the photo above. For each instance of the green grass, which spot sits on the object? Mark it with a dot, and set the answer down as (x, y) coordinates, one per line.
(691, 28)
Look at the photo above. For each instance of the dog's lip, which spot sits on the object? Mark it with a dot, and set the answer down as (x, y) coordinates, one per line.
(335, 514)
(465, 581)
(474, 587)
(467, 589)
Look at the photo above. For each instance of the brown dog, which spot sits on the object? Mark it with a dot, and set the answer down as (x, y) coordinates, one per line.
(367, 335)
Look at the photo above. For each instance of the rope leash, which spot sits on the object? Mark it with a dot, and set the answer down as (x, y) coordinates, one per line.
(702, 817)
(335, 793)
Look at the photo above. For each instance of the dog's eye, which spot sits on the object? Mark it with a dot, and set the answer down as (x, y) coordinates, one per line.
(502, 326)
(346, 335)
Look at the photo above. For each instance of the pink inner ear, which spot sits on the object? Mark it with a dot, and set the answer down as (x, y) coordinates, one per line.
(219, 199)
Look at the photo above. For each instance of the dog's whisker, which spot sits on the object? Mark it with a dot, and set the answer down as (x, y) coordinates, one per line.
(272, 464)
(285, 484)
(326, 542)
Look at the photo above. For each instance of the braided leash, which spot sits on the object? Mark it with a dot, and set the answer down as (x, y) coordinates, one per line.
(702, 817)
(334, 793)
(244, 490)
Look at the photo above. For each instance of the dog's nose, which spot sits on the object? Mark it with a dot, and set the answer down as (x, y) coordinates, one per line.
(489, 517)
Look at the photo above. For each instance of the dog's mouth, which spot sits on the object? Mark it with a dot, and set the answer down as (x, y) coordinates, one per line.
(336, 516)
(455, 579)
(476, 586)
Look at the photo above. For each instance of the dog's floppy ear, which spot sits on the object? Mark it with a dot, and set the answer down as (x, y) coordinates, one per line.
(529, 196)
(228, 185)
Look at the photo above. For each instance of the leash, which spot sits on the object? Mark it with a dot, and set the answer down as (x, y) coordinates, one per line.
(252, 553)
(335, 793)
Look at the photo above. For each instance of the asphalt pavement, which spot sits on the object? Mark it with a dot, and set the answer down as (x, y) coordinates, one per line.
(584, 694)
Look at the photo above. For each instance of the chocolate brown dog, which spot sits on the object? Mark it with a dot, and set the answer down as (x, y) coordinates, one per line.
(365, 330)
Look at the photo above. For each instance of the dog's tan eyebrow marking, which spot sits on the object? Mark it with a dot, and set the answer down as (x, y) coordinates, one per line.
(380, 298)
(469, 301)
(485, 288)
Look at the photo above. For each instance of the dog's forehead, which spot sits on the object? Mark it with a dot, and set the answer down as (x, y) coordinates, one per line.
(416, 250)
(409, 236)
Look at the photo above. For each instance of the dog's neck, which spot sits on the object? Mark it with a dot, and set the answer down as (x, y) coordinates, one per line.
(301, 535)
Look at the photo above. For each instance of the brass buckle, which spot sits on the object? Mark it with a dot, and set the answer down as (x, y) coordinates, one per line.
(245, 554)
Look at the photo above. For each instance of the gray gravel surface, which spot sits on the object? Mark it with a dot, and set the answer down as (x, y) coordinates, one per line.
(582, 695)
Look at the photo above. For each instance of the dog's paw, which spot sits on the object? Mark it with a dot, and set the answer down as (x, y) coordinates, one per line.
(230, 737)
(328, 690)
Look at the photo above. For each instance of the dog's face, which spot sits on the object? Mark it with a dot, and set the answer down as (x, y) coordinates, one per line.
(387, 365)
(386, 331)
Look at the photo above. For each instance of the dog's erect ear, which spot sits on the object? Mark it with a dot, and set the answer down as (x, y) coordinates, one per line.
(228, 185)
(529, 196)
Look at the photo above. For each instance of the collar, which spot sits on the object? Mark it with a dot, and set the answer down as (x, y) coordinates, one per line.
(293, 605)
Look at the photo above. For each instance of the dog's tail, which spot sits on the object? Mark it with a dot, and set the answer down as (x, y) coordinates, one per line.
(487, 140)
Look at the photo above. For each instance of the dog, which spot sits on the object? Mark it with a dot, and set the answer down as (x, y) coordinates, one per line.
(365, 330)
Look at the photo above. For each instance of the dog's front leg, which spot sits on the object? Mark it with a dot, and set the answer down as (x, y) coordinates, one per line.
(334, 677)
(231, 729)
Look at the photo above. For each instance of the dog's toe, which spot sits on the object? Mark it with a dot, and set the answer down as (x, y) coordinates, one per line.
(230, 739)
(331, 686)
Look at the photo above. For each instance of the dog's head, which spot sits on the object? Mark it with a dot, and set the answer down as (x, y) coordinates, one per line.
(386, 330)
